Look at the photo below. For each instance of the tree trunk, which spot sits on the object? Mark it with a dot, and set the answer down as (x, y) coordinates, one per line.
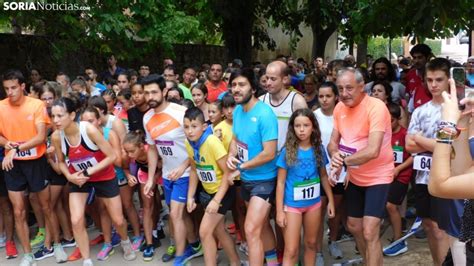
(320, 39)
(238, 19)
(362, 52)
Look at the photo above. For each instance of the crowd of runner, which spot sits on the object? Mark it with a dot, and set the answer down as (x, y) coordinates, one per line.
(282, 147)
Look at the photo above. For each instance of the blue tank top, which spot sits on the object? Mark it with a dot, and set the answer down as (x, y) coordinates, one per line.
(119, 173)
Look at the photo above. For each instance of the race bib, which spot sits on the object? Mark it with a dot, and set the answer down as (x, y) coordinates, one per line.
(242, 151)
(422, 163)
(165, 148)
(31, 153)
(306, 190)
(206, 173)
(398, 154)
(347, 151)
(83, 164)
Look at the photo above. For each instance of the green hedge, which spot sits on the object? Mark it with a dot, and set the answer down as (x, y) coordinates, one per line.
(378, 47)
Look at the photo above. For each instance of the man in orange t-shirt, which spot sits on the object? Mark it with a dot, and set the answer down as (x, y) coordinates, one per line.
(361, 141)
(215, 85)
(23, 122)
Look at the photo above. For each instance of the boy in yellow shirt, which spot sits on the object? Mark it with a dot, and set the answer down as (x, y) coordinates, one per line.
(208, 165)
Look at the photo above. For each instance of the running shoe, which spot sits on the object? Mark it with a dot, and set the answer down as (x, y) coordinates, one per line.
(27, 260)
(96, 241)
(43, 253)
(156, 242)
(128, 253)
(75, 255)
(170, 253)
(148, 253)
(231, 229)
(238, 237)
(3, 241)
(105, 252)
(38, 241)
(87, 263)
(191, 252)
(115, 239)
(137, 242)
(319, 259)
(59, 253)
(244, 248)
(396, 250)
(68, 243)
(10, 250)
(334, 250)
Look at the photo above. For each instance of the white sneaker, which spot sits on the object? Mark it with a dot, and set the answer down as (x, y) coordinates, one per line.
(319, 259)
(27, 260)
(334, 250)
(87, 263)
(128, 253)
(59, 253)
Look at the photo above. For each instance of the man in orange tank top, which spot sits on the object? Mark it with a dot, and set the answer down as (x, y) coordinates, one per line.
(23, 122)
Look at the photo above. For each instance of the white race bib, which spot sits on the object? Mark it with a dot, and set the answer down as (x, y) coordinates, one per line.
(165, 148)
(83, 164)
(242, 151)
(206, 173)
(422, 163)
(398, 154)
(306, 190)
(31, 153)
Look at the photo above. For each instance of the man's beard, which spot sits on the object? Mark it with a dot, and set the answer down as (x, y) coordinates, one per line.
(154, 103)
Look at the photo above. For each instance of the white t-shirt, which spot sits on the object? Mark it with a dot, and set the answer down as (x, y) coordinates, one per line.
(326, 125)
(425, 119)
(165, 130)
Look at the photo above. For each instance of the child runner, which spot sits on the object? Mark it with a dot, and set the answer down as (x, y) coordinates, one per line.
(401, 175)
(215, 113)
(301, 171)
(136, 150)
(208, 160)
(90, 170)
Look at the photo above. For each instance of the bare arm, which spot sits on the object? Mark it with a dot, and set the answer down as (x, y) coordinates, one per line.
(36, 140)
(368, 153)
(114, 142)
(193, 181)
(224, 184)
(299, 102)
(267, 154)
(450, 178)
(56, 142)
(119, 127)
(333, 145)
(110, 156)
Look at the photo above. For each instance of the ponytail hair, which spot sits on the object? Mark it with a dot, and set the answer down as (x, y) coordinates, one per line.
(136, 137)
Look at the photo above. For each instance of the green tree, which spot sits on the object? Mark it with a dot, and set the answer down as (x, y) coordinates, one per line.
(113, 26)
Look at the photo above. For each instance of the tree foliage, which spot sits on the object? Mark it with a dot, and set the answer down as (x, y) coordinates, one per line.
(116, 26)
